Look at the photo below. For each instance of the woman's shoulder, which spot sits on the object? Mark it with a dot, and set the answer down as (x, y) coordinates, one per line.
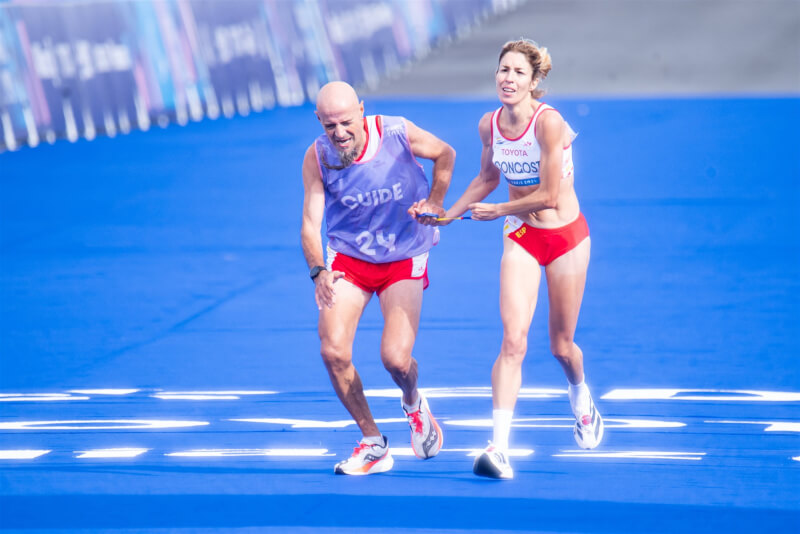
(486, 121)
(548, 119)
(485, 127)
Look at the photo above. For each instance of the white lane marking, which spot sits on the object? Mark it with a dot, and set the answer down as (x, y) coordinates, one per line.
(99, 424)
(220, 453)
(465, 392)
(22, 454)
(121, 452)
(567, 422)
(207, 395)
(309, 423)
(711, 395)
(38, 397)
(408, 451)
(104, 391)
(771, 426)
(632, 455)
(187, 396)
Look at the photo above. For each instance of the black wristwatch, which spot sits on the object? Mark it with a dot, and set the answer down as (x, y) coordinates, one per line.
(314, 272)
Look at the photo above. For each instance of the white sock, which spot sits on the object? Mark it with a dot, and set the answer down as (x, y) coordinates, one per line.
(414, 406)
(579, 398)
(502, 428)
(373, 440)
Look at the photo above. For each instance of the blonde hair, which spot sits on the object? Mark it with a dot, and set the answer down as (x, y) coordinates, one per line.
(537, 56)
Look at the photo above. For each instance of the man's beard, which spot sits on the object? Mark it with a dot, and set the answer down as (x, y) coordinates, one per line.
(347, 158)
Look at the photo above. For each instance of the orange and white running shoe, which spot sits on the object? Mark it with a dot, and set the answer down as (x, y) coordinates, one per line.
(426, 434)
(367, 459)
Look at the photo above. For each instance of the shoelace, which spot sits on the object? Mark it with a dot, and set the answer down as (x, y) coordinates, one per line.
(361, 446)
(415, 418)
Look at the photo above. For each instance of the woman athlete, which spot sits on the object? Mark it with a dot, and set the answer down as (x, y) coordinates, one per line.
(528, 143)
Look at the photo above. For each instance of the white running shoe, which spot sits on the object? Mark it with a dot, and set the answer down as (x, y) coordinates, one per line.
(492, 463)
(588, 429)
(426, 434)
(367, 459)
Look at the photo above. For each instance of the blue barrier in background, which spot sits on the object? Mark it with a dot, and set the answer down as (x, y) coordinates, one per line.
(101, 68)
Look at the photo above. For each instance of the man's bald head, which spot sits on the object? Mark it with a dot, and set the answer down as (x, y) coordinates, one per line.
(336, 97)
(342, 117)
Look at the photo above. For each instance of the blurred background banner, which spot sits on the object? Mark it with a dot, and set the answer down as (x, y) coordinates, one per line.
(88, 68)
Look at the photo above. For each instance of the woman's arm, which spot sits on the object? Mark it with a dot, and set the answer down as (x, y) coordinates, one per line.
(550, 135)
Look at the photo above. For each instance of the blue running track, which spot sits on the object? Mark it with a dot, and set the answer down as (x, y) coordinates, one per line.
(159, 365)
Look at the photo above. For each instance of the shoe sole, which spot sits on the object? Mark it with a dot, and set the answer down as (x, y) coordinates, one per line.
(381, 465)
(483, 467)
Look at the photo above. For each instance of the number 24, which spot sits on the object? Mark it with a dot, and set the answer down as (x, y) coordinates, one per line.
(365, 240)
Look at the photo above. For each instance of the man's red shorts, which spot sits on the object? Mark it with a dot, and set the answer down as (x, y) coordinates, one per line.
(547, 244)
(375, 277)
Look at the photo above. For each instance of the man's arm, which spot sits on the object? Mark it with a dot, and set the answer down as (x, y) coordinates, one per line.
(313, 210)
(310, 232)
(426, 145)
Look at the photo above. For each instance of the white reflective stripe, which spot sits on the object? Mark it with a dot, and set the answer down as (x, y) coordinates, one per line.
(519, 453)
(219, 453)
(122, 452)
(408, 451)
(208, 395)
(38, 397)
(468, 392)
(783, 427)
(225, 392)
(94, 424)
(713, 395)
(632, 455)
(104, 391)
(567, 422)
(418, 264)
(22, 454)
(165, 396)
(310, 423)
(771, 426)
(479, 423)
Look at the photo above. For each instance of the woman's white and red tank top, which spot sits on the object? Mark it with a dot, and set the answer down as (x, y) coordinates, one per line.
(518, 159)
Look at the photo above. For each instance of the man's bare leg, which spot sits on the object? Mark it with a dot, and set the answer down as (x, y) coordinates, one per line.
(337, 330)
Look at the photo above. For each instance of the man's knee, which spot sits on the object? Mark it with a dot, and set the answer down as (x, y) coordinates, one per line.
(335, 355)
(397, 360)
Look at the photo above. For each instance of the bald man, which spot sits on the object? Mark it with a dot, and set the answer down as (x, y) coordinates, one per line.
(363, 177)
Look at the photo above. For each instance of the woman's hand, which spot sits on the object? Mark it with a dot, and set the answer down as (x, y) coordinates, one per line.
(483, 211)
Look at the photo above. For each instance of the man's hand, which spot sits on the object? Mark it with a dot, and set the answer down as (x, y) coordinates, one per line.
(421, 207)
(483, 211)
(324, 293)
